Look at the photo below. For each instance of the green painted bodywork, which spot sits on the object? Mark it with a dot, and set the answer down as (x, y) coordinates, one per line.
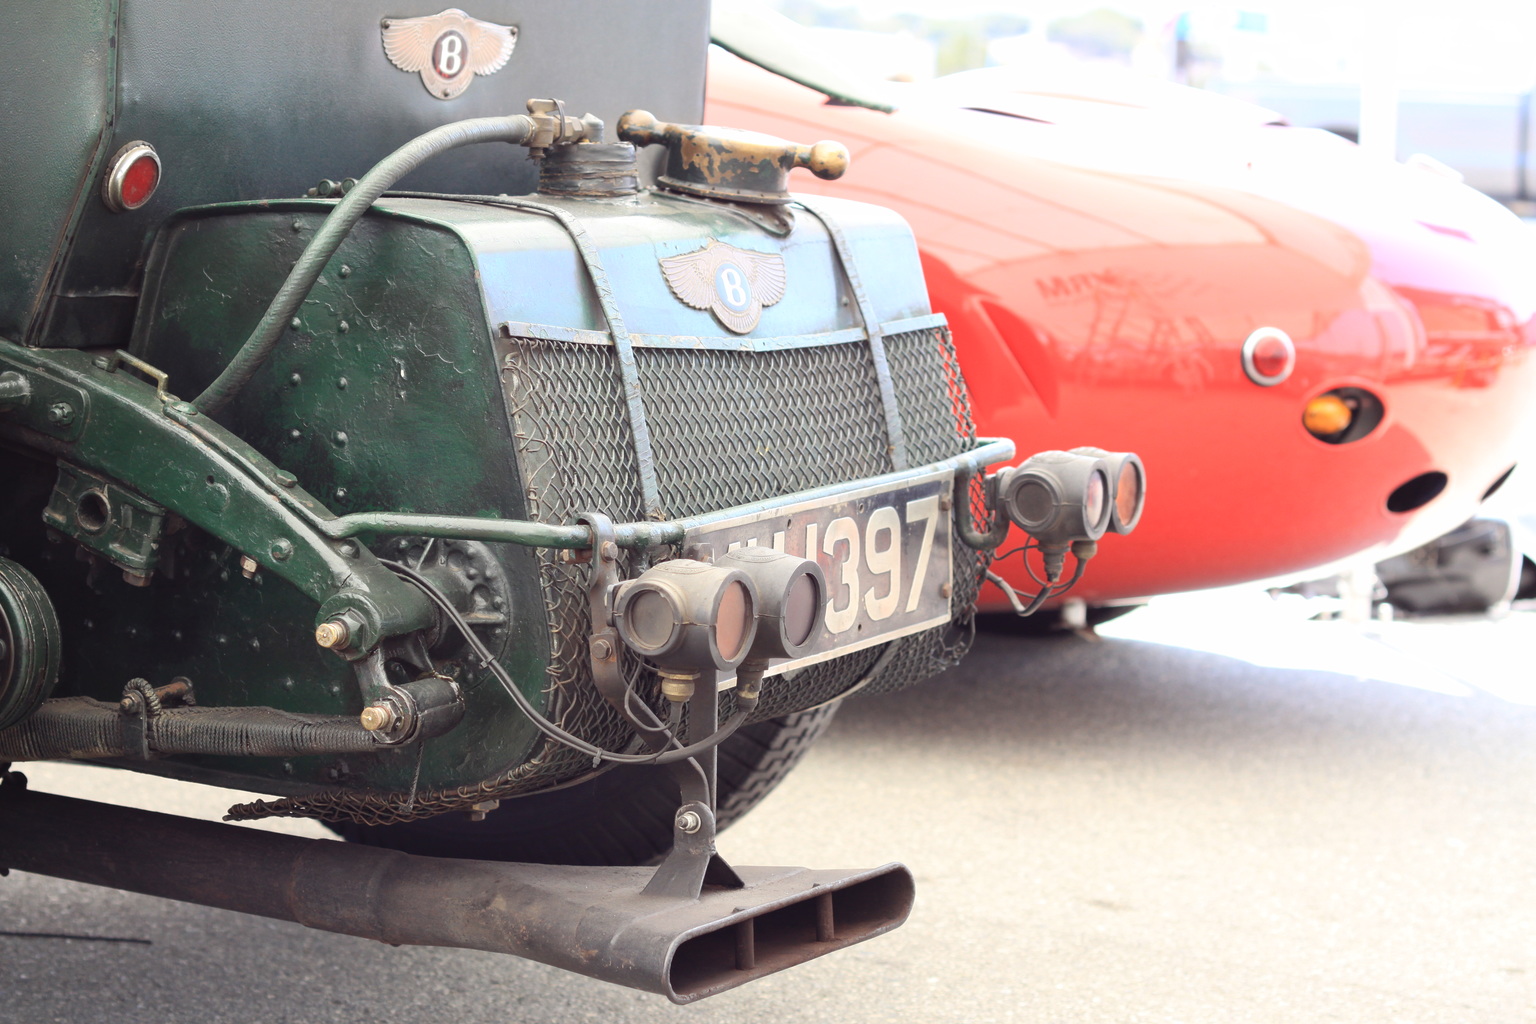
(384, 398)
(383, 401)
(262, 100)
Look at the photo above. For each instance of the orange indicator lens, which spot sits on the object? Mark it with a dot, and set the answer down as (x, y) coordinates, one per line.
(1327, 415)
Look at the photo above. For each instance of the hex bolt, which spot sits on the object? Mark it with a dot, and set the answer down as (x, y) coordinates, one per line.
(602, 650)
(945, 589)
(688, 822)
(333, 635)
(610, 551)
(248, 567)
(946, 503)
(377, 717)
(61, 414)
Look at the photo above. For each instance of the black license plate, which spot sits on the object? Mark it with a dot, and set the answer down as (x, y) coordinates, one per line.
(885, 551)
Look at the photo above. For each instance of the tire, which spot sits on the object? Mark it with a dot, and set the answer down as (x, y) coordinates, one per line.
(622, 817)
(1047, 622)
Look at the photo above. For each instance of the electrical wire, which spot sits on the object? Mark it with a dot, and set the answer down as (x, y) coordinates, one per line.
(544, 725)
(1046, 591)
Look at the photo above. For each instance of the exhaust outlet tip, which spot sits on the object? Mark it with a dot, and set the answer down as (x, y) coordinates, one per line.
(832, 910)
(594, 921)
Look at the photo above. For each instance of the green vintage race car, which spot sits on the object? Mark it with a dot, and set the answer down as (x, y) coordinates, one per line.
(477, 482)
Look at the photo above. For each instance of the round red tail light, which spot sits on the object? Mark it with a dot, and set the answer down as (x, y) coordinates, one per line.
(132, 177)
(1269, 356)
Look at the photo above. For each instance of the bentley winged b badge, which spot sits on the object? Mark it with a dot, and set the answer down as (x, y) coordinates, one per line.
(449, 49)
(734, 284)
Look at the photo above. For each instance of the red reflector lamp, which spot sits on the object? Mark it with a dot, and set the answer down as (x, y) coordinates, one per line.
(132, 177)
(1269, 356)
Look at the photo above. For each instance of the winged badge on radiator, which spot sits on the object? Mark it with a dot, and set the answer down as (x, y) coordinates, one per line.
(734, 284)
(448, 48)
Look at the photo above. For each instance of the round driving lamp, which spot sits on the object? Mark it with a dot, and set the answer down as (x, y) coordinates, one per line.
(688, 618)
(1129, 491)
(791, 594)
(1058, 497)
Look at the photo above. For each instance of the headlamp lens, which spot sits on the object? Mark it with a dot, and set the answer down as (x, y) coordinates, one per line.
(1093, 502)
(1128, 492)
(802, 609)
(734, 623)
(651, 617)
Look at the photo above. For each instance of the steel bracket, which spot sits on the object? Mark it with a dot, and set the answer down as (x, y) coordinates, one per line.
(693, 861)
(603, 645)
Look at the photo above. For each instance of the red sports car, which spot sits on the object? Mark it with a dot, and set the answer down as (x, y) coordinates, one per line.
(1317, 354)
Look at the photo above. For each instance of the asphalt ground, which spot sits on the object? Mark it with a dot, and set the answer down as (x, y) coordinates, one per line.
(1219, 812)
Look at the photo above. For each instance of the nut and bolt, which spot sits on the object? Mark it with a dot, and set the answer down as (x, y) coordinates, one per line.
(377, 717)
(945, 590)
(688, 822)
(248, 567)
(602, 650)
(333, 635)
(61, 414)
(946, 503)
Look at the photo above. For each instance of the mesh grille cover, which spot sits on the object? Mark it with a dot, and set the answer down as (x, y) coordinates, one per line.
(727, 428)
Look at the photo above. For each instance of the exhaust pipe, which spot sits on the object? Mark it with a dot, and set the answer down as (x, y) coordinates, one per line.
(593, 921)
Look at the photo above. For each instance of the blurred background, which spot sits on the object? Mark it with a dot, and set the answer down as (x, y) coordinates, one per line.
(1453, 82)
